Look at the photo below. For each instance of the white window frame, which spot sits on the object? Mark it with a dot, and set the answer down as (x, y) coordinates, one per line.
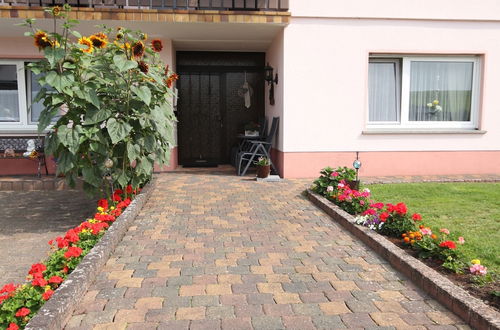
(404, 122)
(24, 96)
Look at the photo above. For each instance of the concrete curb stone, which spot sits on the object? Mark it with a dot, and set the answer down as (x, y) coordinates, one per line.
(56, 312)
(472, 310)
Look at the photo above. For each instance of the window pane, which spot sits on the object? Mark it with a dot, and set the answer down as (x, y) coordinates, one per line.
(440, 91)
(383, 91)
(9, 98)
(36, 108)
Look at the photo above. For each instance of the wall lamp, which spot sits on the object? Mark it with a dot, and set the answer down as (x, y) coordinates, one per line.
(271, 80)
(269, 75)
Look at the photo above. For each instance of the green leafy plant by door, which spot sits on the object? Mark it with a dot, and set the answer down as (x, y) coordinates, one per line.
(107, 98)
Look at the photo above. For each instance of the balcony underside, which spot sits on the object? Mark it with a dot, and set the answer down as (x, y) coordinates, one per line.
(239, 5)
(154, 15)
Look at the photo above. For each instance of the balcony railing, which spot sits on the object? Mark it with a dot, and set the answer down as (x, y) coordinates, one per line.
(237, 5)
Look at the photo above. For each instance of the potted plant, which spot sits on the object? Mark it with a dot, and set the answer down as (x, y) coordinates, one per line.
(263, 167)
(252, 129)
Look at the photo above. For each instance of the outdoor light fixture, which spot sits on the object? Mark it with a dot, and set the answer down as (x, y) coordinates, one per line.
(356, 164)
(269, 75)
(271, 80)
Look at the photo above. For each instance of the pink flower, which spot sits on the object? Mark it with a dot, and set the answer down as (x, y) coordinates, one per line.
(329, 189)
(478, 269)
(461, 240)
(444, 231)
(341, 185)
(334, 174)
(426, 231)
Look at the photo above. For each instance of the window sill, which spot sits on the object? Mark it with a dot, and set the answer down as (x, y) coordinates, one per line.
(374, 131)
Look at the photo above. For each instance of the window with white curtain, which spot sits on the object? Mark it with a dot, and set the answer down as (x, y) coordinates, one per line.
(18, 87)
(423, 92)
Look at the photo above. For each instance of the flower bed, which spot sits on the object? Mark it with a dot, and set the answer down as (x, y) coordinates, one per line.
(438, 247)
(19, 303)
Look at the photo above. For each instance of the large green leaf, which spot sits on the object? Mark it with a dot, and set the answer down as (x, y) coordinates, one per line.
(133, 150)
(54, 55)
(92, 97)
(91, 176)
(143, 93)
(65, 162)
(117, 130)
(95, 115)
(124, 64)
(61, 82)
(70, 137)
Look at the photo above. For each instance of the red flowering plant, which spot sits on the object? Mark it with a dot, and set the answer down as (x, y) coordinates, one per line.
(436, 246)
(330, 178)
(396, 220)
(18, 303)
(350, 200)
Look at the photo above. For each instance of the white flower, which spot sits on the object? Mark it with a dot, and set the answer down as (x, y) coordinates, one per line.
(429, 105)
(366, 190)
(329, 189)
(439, 108)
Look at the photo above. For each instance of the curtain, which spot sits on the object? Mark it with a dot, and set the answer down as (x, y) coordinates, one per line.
(383, 91)
(9, 101)
(36, 108)
(447, 84)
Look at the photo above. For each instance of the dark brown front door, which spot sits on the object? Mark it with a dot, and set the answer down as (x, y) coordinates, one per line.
(211, 110)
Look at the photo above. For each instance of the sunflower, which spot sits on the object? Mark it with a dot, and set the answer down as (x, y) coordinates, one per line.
(157, 45)
(42, 40)
(170, 80)
(56, 11)
(143, 66)
(138, 49)
(144, 36)
(86, 42)
(99, 40)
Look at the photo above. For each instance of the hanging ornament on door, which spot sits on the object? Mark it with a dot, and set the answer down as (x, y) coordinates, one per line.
(246, 92)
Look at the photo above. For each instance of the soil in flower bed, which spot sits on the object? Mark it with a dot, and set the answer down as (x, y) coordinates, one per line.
(463, 280)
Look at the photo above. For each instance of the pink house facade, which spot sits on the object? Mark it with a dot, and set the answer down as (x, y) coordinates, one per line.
(410, 86)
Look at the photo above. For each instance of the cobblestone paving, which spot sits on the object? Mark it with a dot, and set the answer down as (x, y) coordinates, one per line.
(225, 252)
(29, 220)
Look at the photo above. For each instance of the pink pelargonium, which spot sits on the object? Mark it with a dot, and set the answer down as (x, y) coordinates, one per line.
(478, 269)
(426, 231)
(444, 231)
(335, 174)
(461, 240)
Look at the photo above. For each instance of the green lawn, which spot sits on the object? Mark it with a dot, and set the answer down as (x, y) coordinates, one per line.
(471, 210)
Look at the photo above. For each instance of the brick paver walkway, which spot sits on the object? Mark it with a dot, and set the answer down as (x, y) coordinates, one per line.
(29, 220)
(225, 252)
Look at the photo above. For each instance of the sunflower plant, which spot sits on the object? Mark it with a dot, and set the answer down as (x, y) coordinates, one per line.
(107, 103)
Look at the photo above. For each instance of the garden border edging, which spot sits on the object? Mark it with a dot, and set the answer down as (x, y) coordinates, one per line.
(472, 310)
(55, 313)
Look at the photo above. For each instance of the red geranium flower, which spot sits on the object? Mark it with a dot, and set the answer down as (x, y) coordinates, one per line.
(8, 288)
(129, 189)
(448, 245)
(36, 268)
(73, 251)
(23, 312)
(39, 281)
(72, 236)
(116, 197)
(13, 326)
(47, 294)
(61, 242)
(56, 280)
(65, 270)
(103, 203)
(416, 217)
(377, 205)
(383, 216)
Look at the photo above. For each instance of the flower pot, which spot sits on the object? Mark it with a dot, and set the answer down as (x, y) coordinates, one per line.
(263, 171)
(353, 184)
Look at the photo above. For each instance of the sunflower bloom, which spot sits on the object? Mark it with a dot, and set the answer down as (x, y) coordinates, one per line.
(143, 66)
(42, 40)
(156, 45)
(138, 49)
(98, 41)
(56, 11)
(86, 42)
